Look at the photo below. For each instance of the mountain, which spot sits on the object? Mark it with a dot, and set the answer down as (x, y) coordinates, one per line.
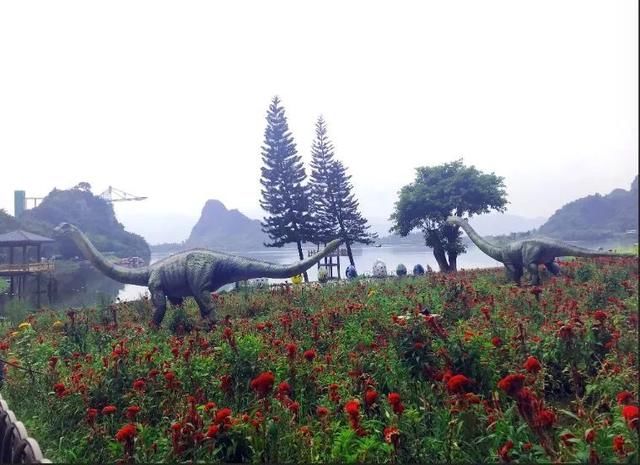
(596, 216)
(222, 229)
(93, 215)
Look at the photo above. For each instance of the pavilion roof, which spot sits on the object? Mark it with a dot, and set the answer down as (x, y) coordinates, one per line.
(21, 237)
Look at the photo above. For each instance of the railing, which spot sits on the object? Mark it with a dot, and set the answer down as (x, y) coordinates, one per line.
(40, 267)
(15, 444)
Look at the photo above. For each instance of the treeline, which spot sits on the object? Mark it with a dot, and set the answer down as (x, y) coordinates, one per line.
(317, 209)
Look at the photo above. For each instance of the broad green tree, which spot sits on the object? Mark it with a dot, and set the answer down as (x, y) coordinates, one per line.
(438, 192)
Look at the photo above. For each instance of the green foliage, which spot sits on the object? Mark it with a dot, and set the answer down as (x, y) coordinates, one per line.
(441, 191)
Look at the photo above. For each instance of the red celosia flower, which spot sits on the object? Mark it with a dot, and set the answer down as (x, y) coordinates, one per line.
(630, 414)
(352, 408)
(291, 350)
(565, 332)
(92, 413)
(545, 418)
(212, 431)
(624, 397)
(59, 389)
(222, 416)
(394, 400)
(391, 435)
(139, 385)
(109, 409)
(600, 315)
(589, 435)
(284, 388)
(486, 311)
(322, 411)
(309, 354)
(126, 433)
(503, 451)
(496, 341)
(172, 382)
(294, 407)
(209, 406)
(370, 397)
(132, 411)
(263, 383)
(457, 383)
(618, 445)
(226, 383)
(511, 384)
(532, 365)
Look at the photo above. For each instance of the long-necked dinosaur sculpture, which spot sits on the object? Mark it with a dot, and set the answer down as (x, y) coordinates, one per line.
(528, 253)
(194, 273)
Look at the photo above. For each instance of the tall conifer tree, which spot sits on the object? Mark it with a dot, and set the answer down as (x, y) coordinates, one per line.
(284, 196)
(335, 210)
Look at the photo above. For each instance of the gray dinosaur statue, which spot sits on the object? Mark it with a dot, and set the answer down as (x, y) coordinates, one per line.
(528, 253)
(194, 273)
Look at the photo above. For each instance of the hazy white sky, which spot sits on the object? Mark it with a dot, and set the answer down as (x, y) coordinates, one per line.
(168, 99)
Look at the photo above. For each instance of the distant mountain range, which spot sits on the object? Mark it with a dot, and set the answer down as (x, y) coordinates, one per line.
(596, 216)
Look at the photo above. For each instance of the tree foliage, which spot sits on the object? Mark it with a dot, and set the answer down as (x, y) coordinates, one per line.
(285, 197)
(334, 206)
(441, 191)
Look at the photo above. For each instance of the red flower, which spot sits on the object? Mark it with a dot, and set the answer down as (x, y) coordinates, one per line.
(322, 411)
(92, 413)
(226, 383)
(565, 332)
(139, 385)
(600, 315)
(532, 365)
(618, 445)
(566, 439)
(209, 406)
(590, 435)
(291, 350)
(222, 416)
(352, 408)
(486, 311)
(630, 414)
(496, 341)
(624, 397)
(391, 435)
(263, 383)
(109, 410)
(309, 354)
(284, 388)
(503, 452)
(370, 397)
(394, 400)
(294, 407)
(132, 411)
(545, 418)
(59, 389)
(457, 383)
(511, 384)
(212, 431)
(126, 433)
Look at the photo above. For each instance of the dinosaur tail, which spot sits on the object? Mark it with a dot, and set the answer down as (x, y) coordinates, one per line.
(139, 276)
(259, 269)
(568, 250)
(487, 247)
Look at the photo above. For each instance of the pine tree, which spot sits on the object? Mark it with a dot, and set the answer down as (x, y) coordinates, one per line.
(285, 197)
(335, 209)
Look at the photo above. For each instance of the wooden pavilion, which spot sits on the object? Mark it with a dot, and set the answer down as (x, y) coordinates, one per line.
(21, 263)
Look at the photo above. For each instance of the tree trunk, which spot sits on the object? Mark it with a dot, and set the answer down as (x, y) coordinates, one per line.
(453, 262)
(350, 253)
(301, 255)
(441, 258)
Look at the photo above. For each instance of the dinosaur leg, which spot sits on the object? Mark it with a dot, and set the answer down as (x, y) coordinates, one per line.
(553, 268)
(159, 301)
(206, 306)
(176, 301)
(510, 272)
(533, 271)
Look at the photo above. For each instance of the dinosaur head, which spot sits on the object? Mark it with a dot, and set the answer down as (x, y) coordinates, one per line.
(65, 229)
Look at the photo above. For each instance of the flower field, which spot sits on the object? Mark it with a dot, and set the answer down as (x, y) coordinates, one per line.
(460, 368)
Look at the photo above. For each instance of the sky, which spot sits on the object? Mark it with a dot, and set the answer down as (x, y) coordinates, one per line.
(168, 99)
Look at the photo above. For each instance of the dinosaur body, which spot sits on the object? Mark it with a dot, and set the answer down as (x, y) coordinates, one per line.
(194, 273)
(527, 253)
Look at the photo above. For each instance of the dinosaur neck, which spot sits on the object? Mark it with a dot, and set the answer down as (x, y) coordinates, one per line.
(484, 245)
(138, 276)
(258, 269)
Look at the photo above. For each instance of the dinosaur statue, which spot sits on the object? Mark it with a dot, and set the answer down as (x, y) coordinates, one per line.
(528, 253)
(194, 273)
